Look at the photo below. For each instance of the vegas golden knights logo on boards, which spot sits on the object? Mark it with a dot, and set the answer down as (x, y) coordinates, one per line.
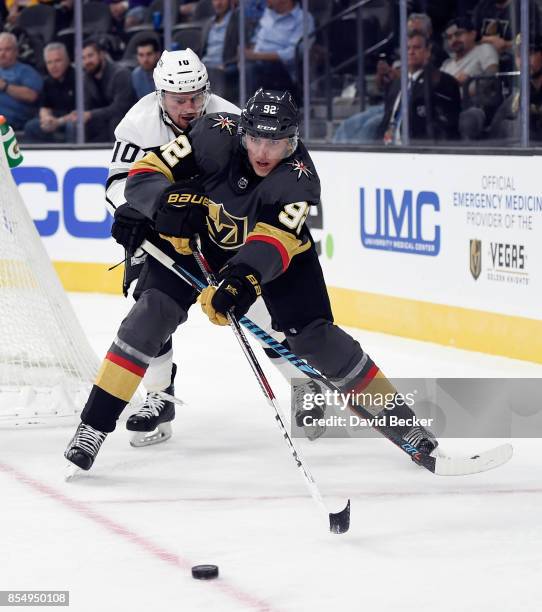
(226, 230)
(475, 258)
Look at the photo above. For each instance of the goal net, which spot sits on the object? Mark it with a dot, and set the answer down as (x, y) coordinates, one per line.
(47, 366)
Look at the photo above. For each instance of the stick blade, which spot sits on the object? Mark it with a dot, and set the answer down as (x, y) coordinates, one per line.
(339, 522)
(487, 460)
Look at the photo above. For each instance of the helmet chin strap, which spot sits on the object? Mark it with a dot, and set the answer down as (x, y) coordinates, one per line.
(167, 119)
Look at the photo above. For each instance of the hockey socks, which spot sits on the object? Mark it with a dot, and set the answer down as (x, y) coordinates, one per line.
(375, 393)
(118, 378)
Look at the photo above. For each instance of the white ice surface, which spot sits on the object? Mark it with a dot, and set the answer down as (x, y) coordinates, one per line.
(224, 490)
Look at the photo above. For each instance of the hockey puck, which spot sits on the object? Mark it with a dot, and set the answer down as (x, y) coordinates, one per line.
(205, 572)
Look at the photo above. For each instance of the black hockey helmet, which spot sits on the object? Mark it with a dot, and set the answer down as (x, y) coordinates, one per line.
(270, 114)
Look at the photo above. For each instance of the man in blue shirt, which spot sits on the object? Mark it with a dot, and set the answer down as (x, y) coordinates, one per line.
(57, 99)
(20, 84)
(148, 54)
(216, 35)
(220, 48)
(272, 58)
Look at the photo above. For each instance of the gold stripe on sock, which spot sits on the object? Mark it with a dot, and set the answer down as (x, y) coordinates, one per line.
(117, 381)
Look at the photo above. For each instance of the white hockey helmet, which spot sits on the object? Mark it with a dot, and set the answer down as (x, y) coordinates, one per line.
(181, 72)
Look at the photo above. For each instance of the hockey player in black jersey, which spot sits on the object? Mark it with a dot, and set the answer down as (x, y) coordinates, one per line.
(245, 186)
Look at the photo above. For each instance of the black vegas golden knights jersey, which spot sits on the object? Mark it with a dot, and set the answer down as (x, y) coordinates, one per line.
(256, 221)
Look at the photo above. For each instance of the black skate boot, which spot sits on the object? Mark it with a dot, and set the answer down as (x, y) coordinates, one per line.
(153, 420)
(304, 417)
(84, 446)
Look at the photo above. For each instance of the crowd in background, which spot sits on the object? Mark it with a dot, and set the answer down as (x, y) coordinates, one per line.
(463, 77)
(463, 64)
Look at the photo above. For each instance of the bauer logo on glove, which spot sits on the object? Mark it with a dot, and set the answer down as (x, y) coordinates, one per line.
(179, 199)
(182, 213)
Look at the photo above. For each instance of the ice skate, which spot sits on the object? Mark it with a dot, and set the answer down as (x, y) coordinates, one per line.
(84, 446)
(152, 421)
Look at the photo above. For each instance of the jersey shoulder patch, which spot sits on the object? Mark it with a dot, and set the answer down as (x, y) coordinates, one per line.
(223, 122)
(295, 180)
(301, 168)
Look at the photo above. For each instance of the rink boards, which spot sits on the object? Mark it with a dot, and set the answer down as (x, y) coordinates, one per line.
(443, 248)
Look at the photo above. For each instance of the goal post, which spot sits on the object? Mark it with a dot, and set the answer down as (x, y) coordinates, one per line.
(47, 366)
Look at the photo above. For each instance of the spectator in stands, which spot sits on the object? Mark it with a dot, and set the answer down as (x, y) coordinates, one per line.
(271, 59)
(498, 22)
(148, 54)
(362, 128)
(469, 62)
(467, 58)
(108, 93)
(506, 124)
(57, 99)
(219, 54)
(421, 22)
(434, 99)
(20, 84)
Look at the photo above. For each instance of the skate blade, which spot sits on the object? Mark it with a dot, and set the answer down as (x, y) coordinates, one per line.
(71, 471)
(148, 438)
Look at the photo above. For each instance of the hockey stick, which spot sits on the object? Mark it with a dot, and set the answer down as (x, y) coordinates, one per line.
(339, 522)
(441, 465)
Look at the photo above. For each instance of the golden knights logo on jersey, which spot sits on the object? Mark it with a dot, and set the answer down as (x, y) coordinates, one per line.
(226, 230)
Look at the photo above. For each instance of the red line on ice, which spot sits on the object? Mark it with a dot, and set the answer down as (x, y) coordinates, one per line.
(161, 553)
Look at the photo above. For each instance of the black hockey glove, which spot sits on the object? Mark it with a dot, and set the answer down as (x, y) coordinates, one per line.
(238, 290)
(129, 228)
(181, 214)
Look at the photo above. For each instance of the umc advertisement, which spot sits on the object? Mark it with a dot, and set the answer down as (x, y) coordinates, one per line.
(436, 247)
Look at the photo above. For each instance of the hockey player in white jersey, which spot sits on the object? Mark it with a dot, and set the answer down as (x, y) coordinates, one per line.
(182, 94)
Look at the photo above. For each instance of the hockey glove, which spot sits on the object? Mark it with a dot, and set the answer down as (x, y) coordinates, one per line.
(237, 292)
(181, 214)
(129, 228)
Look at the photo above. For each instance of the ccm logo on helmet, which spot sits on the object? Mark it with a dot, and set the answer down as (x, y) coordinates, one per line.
(269, 128)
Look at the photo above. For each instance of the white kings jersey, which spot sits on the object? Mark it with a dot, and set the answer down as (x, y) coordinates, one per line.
(142, 129)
